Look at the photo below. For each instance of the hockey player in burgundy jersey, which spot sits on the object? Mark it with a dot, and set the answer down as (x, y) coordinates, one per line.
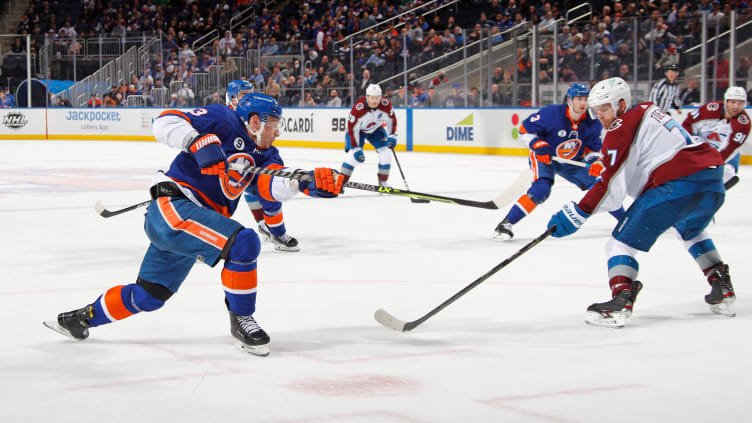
(559, 131)
(675, 182)
(724, 125)
(189, 217)
(267, 214)
(371, 119)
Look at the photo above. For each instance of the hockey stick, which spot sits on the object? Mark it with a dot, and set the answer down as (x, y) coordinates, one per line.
(99, 207)
(391, 322)
(303, 176)
(731, 182)
(568, 161)
(414, 200)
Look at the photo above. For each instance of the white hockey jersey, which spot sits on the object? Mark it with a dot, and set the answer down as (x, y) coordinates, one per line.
(642, 149)
(709, 124)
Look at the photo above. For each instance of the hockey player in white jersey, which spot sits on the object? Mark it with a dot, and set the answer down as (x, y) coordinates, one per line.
(675, 182)
(724, 125)
(371, 119)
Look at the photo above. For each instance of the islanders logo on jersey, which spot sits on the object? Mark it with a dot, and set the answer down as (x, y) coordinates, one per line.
(569, 148)
(235, 181)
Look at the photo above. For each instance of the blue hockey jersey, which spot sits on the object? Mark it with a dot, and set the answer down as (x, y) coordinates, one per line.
(177, 129)
(568, 139)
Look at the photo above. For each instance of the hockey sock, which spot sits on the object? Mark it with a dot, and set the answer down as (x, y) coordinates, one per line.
(705, 254)
(383, 172)
(258, 214)
(239, 279)
(123, 301)
(524, 206)
(276, 224)
(622, 270)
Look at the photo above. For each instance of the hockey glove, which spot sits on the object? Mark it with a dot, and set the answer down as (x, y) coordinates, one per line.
(391, 140)
(207, 150)
(542, 150)
(358, 154)
(322, 185)
(595, 164)
(568, 220)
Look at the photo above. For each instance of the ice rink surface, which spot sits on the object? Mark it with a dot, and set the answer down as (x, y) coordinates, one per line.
(515, 349)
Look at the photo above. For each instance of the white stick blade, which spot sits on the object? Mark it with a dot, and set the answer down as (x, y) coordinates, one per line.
(389, 321)
(99, 207)
(515, 189)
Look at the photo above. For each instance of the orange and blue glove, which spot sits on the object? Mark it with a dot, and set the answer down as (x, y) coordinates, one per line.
(595, 164)
(542, 150)
(207, 150)
(322, 184)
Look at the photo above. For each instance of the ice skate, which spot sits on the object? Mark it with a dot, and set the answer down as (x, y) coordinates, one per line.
(73, 324)
(285, 243)
(249, 335)
(503, 231)
(281, 243)
(615, 312)
(263, 230)
(722, 296)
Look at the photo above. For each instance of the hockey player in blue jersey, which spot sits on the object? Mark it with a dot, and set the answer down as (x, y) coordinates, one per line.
(267, 214)
(189, 217)
(557, 131)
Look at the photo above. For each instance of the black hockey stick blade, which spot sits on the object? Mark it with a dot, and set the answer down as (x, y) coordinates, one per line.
(99, 207)
(731, 182)
(393, 323)
(420, 200)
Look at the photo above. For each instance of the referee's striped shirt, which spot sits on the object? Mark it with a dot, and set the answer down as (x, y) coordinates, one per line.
(665, 95)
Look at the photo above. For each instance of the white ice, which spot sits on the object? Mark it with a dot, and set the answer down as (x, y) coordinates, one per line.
(514, 349)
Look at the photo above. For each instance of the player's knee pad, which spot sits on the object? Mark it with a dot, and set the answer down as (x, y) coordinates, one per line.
(245, 246)
(540, 190)
(148, 296)
(385, 155)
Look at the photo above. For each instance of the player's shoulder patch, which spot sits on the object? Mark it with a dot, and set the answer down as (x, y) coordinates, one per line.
(384, 101)
(359, 106)
(743, 119)
(616, 125)
(713, 106)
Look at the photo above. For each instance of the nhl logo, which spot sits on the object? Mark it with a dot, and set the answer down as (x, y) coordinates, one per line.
(239, 144)
(15, 120)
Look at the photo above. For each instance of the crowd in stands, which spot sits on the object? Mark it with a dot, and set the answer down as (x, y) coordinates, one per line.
(665, 30)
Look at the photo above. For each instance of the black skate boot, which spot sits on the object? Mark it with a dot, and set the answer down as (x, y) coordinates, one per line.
(263, 230)
(721, 291)
(615, 312)
(503, 231)
(74, 324)
(251, 338)
(285, 243)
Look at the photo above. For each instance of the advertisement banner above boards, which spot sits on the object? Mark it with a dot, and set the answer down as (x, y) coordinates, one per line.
(325, 128)
(101, 124)
(18, 124)
(469, 131)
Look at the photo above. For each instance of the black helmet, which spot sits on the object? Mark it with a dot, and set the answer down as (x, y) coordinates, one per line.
(672, 67)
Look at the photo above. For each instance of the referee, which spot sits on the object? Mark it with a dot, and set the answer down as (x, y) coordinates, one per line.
(665, 93)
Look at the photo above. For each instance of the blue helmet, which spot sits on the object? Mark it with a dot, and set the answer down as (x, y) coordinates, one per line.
(260, 104)
(577, 90)
(234, 88)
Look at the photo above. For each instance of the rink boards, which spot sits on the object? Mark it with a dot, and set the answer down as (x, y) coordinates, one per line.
(492, 131)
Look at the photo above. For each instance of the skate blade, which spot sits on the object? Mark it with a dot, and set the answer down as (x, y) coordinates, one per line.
(500, 237)
(259, 350)
(52, 324)
(723, 309)
(285, 248)
(613, 320)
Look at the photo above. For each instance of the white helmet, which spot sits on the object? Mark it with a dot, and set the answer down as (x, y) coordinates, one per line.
(373, 90)
(735, 93)
(610, 91)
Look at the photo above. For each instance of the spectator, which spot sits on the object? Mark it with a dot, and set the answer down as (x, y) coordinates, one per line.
(213, 99)
(94, 101)
(691, 95)
(506, 88)
(227, 43)
(398, 98)
(309, 102)
(439, 79)
(334, 100)
(742, 73)
(474, 99)
(432, 100)
(455, 98)
(273, 89)
(360, 90)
